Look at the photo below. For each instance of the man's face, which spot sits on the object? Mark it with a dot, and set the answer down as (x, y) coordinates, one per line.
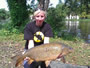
(40, 17)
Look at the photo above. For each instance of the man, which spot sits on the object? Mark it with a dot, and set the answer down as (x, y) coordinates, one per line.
(36, 33)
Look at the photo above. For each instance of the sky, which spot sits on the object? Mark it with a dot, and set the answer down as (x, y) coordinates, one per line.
(54, 2)
(3, 3)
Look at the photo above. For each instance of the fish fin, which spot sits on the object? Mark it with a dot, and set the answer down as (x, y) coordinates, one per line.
(17, 64)
(19, 61)
(47, 62)
(30, 61)
(63, 59)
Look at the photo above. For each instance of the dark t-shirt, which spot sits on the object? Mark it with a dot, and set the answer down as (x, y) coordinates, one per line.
(31, 29)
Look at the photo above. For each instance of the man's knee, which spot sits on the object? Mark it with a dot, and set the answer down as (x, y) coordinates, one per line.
(25, 64)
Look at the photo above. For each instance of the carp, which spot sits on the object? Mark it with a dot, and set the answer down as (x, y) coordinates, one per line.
(44, 52)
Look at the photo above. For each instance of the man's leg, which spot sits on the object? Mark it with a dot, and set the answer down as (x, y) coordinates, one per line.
(32, 65)
(25, 64)
(43, 65)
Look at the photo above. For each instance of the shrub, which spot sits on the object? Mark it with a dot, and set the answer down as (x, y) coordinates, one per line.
(4, 14)
(4, 32)
(18, 12)
(55, 18)
(88, 16)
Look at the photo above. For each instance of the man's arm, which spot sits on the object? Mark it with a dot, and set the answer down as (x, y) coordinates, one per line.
(46, 40)
(30, 44)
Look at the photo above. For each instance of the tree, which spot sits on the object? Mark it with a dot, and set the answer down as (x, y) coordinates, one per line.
(18, 12)
(4, 14)
(78, 6)
(43, 4)
(55, 18)
(85, 3)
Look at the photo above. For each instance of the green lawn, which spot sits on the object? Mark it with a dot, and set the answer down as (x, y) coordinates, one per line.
(81, 54)
(14, 43)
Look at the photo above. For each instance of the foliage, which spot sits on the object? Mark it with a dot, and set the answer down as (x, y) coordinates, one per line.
(83, 15)
(55, 18)
(18, 12)
(5, 32)
(4, 14)
(62, 11)
(78, 6)
(7, 29)
(88, 16)
(31, 6)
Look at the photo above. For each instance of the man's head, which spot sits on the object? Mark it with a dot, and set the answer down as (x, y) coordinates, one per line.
(39, 17)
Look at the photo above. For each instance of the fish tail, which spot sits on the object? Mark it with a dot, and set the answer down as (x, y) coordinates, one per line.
(19, 60)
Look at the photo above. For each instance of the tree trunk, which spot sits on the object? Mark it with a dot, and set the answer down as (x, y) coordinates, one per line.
(43, 4)
(46, 5)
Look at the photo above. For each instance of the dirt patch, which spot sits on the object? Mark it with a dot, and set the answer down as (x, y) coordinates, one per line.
(10, 48)
(7, 50)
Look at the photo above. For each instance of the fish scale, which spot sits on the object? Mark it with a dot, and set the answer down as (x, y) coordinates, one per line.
(45, 52)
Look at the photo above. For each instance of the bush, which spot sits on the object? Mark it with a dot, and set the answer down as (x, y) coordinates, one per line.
(4, 14)
(4, 32)
(88, 16)
(83, 15)
(18, 12)
(55, 18)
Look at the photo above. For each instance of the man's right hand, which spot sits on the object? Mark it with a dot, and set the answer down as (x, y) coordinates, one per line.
(27, 58)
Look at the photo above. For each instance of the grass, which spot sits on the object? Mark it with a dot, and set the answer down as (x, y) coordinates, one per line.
(79, 20)
(85, 20)
(80, 56)
(10, 45)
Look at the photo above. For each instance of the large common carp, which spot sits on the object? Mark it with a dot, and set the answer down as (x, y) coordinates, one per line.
(45, 52)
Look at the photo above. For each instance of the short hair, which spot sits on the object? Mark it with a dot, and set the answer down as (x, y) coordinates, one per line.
(38, 11)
